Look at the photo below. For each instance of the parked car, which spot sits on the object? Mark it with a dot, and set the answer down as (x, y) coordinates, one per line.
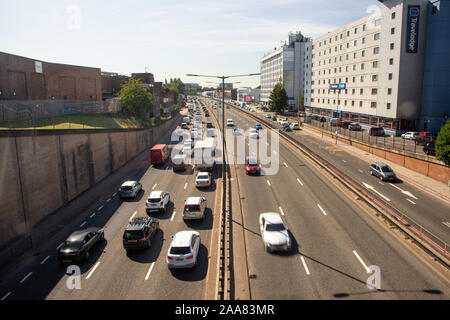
(423, 140)
(376, 131)
(159, 154)
(203, 179)
(410, 135)
(344, 124)
(76, 248)
(194, 208)
(295, 126)
(354, 126)
(430, 148)
(157, 201)
(333, 122)
(274, 232)
(424, 133)
(130, 189)
(252, 166)
(286, 126)
(183, 250)
(139, 233)
(322, 119)
(382, 171)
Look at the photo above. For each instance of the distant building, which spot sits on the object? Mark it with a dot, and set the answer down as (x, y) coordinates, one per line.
(248, 94)
(286, 64)
(30, 79)
(111, 84)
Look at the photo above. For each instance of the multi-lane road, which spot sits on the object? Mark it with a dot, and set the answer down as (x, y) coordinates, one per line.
(336, 245)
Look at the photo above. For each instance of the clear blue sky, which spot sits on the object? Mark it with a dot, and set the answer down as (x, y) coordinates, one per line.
(169, 38)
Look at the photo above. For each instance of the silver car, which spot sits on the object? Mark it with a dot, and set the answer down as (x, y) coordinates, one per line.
(203, 179)
(382, 171)
(130, 189)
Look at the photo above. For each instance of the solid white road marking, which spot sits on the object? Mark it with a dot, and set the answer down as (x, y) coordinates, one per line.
(6, 296)
(24, 279)
(411, 201)
(323, 211)
(281, 210)
(360, 170)
(268, 182)
(305, 266)
(133, 215)
(381, 183)
(43, 261)
(60, 245)
(149, 271)
(372, 188)
(154, 186)
(447, 224)
(114, 194)
(362, 262)
(185, 186)
(299, 181)
(108, 200)
(82, 225)
(344, 160)
(173, 215)
(92, 271)
(403, 191)
(285, 164)
(92, 215)
(100, 208)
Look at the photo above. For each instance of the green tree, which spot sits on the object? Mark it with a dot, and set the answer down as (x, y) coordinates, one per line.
(136, 99)
(278, 98)
(443, 144)
(301, 103)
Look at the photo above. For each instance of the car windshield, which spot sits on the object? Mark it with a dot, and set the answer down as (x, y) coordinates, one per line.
(133, 234)
(252, 162)
(180, 250)
(386, 169)
(275, 227)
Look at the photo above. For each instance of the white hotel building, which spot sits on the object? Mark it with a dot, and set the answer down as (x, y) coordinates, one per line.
(373, 58)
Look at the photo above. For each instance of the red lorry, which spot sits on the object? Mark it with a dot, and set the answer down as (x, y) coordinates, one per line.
(159, 154)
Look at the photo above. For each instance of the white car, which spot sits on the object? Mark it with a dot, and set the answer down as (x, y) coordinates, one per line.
(274, 232)
(157, 201)
(253, 134)
(230, 122)
(195, 134)
(410, 135)
(236, 132)
(183, 250)
(203, 179)
(295, 126)
(268, 116)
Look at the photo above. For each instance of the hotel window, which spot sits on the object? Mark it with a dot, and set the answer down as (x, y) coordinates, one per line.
(354, 67)
(354, 55)
(356, 30)
(340, 58)
(390, 76)
(362, 78)
(346, 68)
(341, 36)
(393, 15)
(373, 104)
(348, 33)
(345, 102)
(355, 43)
(389, 92)
(361, 91)
(377, 22)
(324, 42)
(348, 45)
(364, 27)
(335, 38)
(364, 40)
(392, 30)
(392, 46)
(354, 79)
(376, 36)
(362, 66)
(391, 61)
(374, 91)
(375, 77)
(346, 56)
(346, 80)
(335, 49)
(376, 50)
(360, 103)
(375, 64)
(353, 103)
(363, 53)
(388, 105)
(340, 47)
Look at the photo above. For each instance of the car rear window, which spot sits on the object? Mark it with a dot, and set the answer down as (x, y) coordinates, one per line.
(252, 162)
(180, 250)
(275, 227)
(133, 234)
(154, 200)
(192, 208)
(126, 188)
(71, 245)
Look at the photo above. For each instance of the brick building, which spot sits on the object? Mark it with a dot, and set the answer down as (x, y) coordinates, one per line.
(111, 84)
(29, 79)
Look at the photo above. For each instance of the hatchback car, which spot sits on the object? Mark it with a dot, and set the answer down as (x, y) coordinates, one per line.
(183, 250)
(157, 201)
(382, 171)
(252, 166)
(295, 126)
(139, 233)
(77, 246)
(410, 135)
(268, 116)
(258, 126)
(194, 208)
(354, 126)
(253, 134)
(230, 122)
(203, 179)
(274, 232)
(130, 189)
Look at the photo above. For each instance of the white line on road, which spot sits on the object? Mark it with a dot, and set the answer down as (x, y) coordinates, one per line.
(108, 200)
(185, 186)
(133, 215)
(360, 170)
(381, 183)
(323, 211)
(154, 186)
(268, 182)
(60, 245)
(173, 215)
(374, 190)
(92, 271)
(343, 160)
(362, 262)
(82, 225)
(411, 201)
(24, 279)
(447, 224)
(149, 271)
(92, 215)
(100, 208)
(299, 181)
(285, 164)
(409, 194)
(305, 266)
(6, 296)
(43, 261)
(114, 194)
(281, 210)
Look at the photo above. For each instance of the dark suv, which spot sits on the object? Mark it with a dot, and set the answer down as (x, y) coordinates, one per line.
(139, 233)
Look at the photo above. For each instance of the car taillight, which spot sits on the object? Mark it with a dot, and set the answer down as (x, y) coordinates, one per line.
(146, 203)
(190, 257)
(143, 239)
(162, 202)
(198, 208)
(169, 257)
(184, 208)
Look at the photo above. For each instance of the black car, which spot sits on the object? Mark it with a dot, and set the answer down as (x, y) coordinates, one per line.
(209, 124)
(429, 148)
(77, 246)
(139, 233)
(422, 141)
(323, 119)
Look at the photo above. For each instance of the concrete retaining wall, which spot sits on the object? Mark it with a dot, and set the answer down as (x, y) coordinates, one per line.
(40, 172)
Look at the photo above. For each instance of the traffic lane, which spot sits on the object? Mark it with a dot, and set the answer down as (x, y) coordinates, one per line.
(403, 275)
(426, 210)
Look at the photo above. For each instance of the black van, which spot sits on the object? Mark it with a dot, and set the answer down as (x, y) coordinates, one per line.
(376, 131)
